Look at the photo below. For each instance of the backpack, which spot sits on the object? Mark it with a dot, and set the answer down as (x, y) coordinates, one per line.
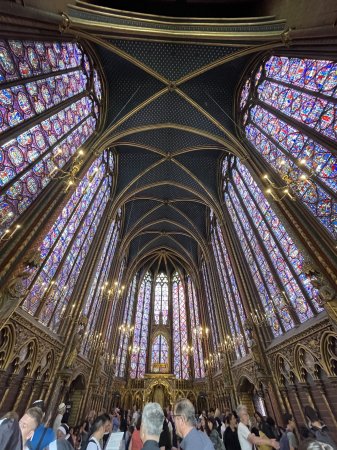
(322, 435)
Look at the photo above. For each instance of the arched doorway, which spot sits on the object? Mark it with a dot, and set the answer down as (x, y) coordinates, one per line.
(160, 394)
(202, 402)
(74, 399)
(246, 390)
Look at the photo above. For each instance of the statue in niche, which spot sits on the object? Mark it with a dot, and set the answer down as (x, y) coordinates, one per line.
(327, 295)
(76, 342)
(252, 343)
(15, 290)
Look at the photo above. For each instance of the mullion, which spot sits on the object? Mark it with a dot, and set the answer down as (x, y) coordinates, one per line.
(60, 234)
(265, 253)
(290, 266)
(77, 256)
(217, 232)
(69, 246)
(257, 266)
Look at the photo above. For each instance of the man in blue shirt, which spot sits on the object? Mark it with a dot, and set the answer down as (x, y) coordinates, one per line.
(184, 419)
(43, 435)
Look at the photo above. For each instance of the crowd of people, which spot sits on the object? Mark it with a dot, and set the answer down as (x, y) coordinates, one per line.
(168, 429)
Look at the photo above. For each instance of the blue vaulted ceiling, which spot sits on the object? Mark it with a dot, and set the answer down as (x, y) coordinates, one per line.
(170, 118)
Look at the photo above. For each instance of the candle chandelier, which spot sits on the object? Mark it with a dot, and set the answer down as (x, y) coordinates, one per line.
(295, 177)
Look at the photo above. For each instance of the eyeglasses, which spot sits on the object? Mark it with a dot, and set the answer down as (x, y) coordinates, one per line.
(175, 415)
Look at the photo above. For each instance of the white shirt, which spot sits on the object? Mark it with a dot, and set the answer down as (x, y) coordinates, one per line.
(243, 433)
(93, 445)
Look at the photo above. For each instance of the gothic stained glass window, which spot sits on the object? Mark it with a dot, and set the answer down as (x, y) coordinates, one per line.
(160, 354)
(198, 356)
(140, 339)
(210, 307)
(124, 332)
(235, 312)
(274, 260)
(99, 288)
(289, 116)
(161, 299)
(180, 338)
(65, 246)
(47, 113)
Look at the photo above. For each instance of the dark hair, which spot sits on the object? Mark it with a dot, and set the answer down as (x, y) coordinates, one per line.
(270, 421)
(213, 422)
(139, 422)
(305, 433)
(311, 413)
(206, 427)
(287, 418)
(229, 418)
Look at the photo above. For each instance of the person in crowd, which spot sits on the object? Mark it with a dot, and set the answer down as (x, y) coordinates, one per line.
(63, 434)
(152, 425)
(28, 424)
(184, 418)
(318, 428)
(218, 420)
(128, 436)
(98, 429)
(165, 441)
(90, 420)
(305, 433)
(248, 439)
(135, 415)
(270, 429)
(230, 436)
(136, 443)
(108, 431)
(214, 434)
(203, 425)
(224, 425)
(43, 435)
(288, 440)
(60, 413)
(115, 422)
(84, 436)
(10, 434)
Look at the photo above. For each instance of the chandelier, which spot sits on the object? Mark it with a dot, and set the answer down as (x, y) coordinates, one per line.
(295, 178)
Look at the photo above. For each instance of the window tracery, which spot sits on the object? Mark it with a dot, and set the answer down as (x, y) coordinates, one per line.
(140, 339)
(273, 259)
(288, 113)
(48, 110)
(181, 367)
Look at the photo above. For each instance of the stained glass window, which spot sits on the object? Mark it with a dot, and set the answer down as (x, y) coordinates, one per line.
(273, 259)
(210, 308)
(124, 333)
(180, 338)
(100, 289)
(289, 116)
(198, 357)
(234, 309)
(47, 113)
(160, 354)
(161, 299)
(66, 245)
(140, 339)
